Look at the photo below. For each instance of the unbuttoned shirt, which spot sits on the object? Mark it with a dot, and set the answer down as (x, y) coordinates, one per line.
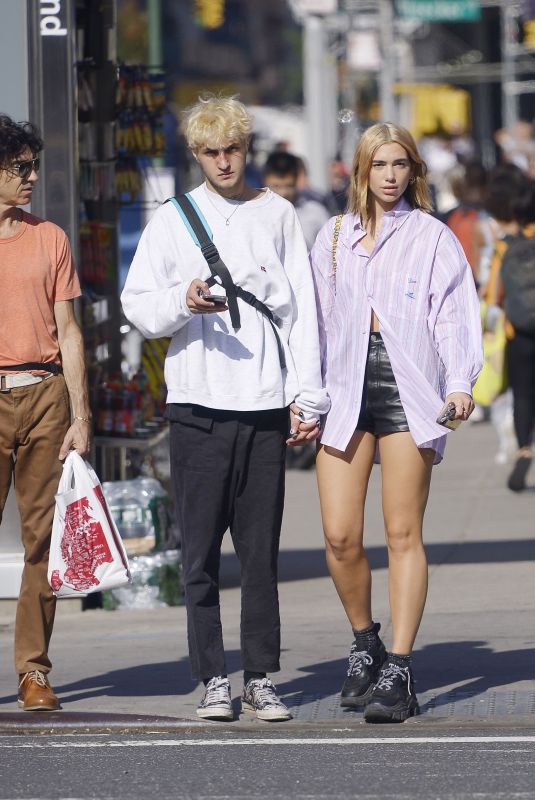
(420, 286)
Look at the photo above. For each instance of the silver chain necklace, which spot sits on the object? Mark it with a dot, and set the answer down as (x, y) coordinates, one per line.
(227, 219)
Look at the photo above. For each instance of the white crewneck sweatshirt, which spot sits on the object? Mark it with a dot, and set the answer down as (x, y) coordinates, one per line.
(209, 363)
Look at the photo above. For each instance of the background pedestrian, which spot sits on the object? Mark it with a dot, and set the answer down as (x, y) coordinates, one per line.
(517, 276)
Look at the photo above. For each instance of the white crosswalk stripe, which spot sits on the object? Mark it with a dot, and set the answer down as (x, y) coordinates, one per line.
(271, 742)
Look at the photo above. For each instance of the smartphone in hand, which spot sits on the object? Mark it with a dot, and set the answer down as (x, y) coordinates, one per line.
(446, 417)
(220, 299)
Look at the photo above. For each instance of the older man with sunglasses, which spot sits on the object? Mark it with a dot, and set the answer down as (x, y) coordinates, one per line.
(44, 409)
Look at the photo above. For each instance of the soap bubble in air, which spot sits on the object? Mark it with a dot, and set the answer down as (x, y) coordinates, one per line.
(345, 116)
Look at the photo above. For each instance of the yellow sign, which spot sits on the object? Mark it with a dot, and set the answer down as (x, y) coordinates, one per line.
(528, 30)
(210, 13)
(437, 106)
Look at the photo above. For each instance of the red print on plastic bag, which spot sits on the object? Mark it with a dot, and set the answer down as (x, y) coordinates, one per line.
(55, 581)
(83, 545)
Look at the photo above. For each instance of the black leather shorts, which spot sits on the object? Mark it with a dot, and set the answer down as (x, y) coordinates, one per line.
(381, 410)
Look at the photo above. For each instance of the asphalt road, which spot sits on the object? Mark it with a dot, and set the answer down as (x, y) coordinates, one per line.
(128, 728)
(385, 763)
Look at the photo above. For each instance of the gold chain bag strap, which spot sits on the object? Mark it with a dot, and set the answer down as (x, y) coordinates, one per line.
(336, 235)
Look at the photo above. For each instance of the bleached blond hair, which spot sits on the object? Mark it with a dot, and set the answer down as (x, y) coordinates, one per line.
(217, 122)
(360, 199)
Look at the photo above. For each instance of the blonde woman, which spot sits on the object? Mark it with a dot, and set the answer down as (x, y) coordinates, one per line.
(400, 337)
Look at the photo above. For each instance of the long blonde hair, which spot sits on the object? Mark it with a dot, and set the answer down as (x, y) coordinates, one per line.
(359, 198)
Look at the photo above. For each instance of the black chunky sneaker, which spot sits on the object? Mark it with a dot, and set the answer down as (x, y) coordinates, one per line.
(366, 657)
(393, 698)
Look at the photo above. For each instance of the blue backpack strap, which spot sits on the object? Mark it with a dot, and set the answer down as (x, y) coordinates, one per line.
(198, 228)
(186, 221)
(201, 234)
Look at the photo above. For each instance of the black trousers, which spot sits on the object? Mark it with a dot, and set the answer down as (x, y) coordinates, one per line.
(227, 469)
(521, 365)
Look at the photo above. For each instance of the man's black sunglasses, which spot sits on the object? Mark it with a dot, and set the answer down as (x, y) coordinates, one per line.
(25, 168)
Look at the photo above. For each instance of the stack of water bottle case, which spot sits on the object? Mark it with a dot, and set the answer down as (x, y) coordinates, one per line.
(140, 509)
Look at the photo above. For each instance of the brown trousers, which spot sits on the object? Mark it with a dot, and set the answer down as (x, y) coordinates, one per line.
(33, 422)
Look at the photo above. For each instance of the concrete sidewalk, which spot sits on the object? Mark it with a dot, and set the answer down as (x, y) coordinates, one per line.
(475, 654)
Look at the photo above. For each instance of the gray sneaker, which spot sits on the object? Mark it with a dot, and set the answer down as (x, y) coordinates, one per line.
(216, 703)
(260, 697)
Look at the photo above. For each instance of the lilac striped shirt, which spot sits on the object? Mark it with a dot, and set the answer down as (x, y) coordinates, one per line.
(419, 284)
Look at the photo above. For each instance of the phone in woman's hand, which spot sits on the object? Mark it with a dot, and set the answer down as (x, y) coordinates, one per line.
(446, 417)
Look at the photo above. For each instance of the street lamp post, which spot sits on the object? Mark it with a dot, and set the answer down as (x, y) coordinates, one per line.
(387, 76)
(508, 12)
(320, 91)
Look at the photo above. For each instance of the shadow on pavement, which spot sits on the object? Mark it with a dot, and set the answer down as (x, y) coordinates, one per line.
(473, 665)
(296, 565)
(170, 678)
(468, 668)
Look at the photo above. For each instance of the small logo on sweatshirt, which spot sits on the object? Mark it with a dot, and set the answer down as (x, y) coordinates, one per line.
(263, 268)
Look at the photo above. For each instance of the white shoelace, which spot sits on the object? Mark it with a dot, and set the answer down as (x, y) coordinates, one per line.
(36, 676)
(357, 659)
(388, 675)
(264, 693)
(217, 692)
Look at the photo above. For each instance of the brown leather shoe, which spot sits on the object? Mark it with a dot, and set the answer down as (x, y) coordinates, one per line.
(36, 694)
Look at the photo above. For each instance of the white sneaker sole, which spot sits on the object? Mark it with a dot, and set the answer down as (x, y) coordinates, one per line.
(215, 712)
(269, 715)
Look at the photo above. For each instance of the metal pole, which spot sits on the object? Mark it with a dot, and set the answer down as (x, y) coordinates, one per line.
(154, 10)
(314, 63)
(482, 127)
(330, 106)
(509, 97)
(154, 15)
(387, 74)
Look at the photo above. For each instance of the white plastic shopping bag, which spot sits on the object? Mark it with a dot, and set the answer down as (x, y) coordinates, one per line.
(86, 551)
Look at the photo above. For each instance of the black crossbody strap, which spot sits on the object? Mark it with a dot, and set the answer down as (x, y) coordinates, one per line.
(250, 299)
(191, 218)
(211, 254)
(51, 366)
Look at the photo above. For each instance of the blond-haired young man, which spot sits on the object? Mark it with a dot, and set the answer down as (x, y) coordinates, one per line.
(239, 384)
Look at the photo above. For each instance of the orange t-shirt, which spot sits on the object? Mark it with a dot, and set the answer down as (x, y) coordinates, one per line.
(36, 271)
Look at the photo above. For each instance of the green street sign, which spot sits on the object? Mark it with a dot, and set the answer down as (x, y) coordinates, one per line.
(439, 10)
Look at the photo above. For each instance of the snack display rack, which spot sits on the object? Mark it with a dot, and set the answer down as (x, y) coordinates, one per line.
(99, 120)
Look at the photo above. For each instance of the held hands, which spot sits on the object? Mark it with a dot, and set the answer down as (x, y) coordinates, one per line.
(78, 438)
(301, 432)
(464, 405)
(195, 302)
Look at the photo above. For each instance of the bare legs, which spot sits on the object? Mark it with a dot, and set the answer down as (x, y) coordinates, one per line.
(343, 483)
(406, 474)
